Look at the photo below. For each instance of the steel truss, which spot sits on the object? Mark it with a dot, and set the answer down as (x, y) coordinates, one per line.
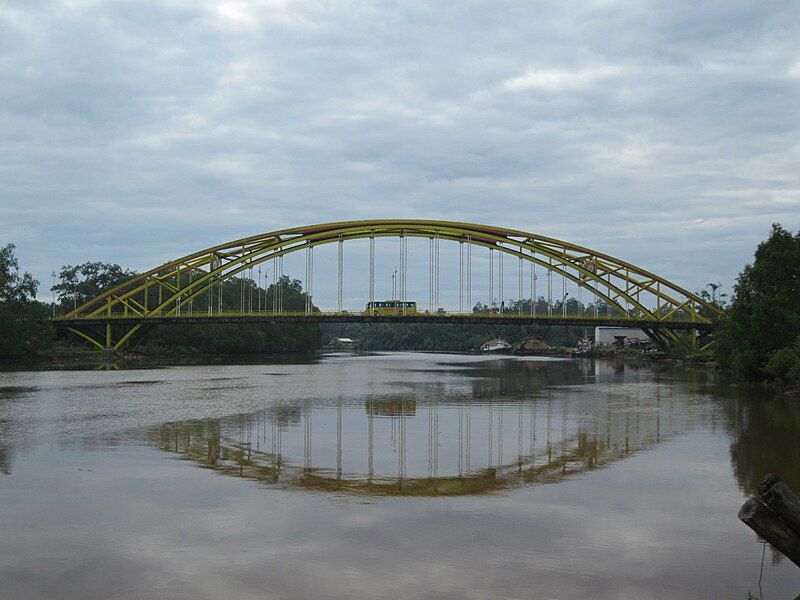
(623, 287)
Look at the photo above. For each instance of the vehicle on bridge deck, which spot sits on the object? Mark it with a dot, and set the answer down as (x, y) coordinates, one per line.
(391, 307)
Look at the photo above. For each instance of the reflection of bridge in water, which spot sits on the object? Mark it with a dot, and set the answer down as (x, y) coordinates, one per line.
(398, 445)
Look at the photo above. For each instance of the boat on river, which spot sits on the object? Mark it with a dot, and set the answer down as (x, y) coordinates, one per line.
(584, 348)
(496, 346)
(534, 346)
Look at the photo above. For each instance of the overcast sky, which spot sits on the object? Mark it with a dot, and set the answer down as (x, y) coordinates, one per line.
(665, 133)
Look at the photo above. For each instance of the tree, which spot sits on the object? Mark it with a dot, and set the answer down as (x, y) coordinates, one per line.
(238, 294)
(24, 328)
(784, 363)
(764, 314)
(80, 283)
(13, 287)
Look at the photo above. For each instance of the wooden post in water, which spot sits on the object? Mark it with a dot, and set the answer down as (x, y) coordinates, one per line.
(781, 500)
(777, 518)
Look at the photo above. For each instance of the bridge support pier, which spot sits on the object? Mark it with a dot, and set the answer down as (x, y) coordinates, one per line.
(103, 337)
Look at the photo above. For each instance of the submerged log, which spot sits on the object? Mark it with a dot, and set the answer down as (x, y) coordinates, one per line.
(781, 500)
(770, 527)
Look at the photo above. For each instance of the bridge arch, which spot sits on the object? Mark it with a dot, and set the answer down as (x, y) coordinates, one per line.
(636, 294)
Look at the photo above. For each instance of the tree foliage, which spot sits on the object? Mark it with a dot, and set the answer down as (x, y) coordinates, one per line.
(446, 337)
(242, 294)
(79, 283)
(24, 329)
(13, 286)
(758, 337)
(459, 337)
(784, 363)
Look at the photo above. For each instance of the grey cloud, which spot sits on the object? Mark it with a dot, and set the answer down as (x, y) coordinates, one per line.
(135, 132)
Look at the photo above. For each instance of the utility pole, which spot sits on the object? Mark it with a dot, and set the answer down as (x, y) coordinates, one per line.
(52, 289)
(394, 286)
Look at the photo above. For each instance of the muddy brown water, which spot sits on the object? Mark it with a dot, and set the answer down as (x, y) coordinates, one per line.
(388, 476)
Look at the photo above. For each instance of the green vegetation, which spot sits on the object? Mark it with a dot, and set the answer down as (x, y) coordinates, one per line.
(784, 363)
(77, 284)
(760, 336)
(80, 283)
(459, 337)
(242, 338)
(448, 337)
(26, 331)
(24, 328)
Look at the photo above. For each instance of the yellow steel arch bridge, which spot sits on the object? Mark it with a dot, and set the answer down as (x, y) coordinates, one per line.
(630, 295)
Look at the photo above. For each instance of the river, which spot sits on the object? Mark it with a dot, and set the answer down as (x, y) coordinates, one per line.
(387, 476)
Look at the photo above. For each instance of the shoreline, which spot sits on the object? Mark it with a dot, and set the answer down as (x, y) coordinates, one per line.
(95, 358)
(78, 359)
(79, 356)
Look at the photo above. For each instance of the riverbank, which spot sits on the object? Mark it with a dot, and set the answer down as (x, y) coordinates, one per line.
(699, 358)
(695, 360)
(68, 354)
(75, 357)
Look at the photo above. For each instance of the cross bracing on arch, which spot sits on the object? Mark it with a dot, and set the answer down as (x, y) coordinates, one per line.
(615, 282)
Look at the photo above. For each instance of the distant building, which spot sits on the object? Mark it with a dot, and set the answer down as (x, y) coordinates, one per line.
(608, 336)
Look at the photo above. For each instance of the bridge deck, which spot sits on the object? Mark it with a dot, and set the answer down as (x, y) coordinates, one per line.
(354, 317)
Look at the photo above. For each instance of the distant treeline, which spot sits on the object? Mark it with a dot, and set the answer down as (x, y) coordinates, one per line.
(80, 283)
(234, 338)
(25, 329)
(455, 337)
(458, 337)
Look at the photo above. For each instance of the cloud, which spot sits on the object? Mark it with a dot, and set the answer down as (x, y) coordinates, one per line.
(133, 132)
(560, 79)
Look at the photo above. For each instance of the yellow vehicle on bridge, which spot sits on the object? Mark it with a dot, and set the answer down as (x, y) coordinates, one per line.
(391, 307)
